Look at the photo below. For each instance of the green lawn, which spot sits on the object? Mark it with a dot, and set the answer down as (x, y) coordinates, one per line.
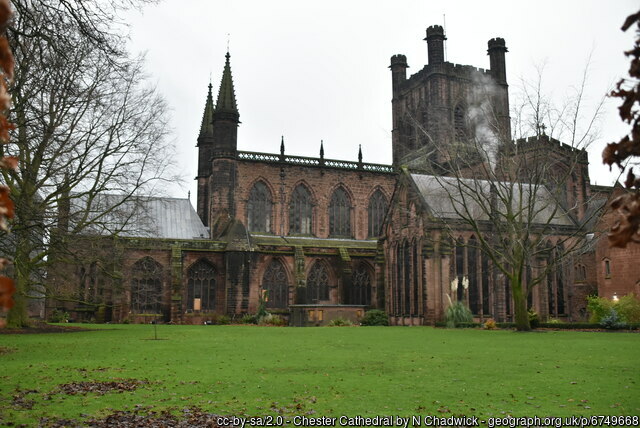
(248, 370)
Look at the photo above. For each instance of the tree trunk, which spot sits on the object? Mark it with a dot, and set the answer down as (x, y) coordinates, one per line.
(18, 316)
(520, 311)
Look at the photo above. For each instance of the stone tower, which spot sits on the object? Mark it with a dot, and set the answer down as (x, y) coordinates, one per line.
(217, 146)
(430, 109)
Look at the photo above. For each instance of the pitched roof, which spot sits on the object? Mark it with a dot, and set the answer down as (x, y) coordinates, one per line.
(145, 217)
(447, 196)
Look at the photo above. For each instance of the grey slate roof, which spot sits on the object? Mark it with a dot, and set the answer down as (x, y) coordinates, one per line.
(442, 195)
(148, 217)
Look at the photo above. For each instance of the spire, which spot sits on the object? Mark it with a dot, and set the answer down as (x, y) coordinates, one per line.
(226, 96)
(359, 153)
(321, 149)
(206, 129)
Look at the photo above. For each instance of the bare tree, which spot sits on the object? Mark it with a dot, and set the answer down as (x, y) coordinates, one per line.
(87, 126)
(525, 200)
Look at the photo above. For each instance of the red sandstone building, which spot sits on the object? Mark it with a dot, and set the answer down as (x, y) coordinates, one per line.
(327, 238)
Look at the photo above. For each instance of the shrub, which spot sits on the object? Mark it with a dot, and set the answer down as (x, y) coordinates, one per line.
(598, 308)
(223, 320)
(374, 317)
(534, 319)
(628, 308)
(248, 319)
(490, 324)
(278, 321)
(340, 322)
(458, 313)
(612, 321)
(554, 321)
(469, 325)
(59, 316)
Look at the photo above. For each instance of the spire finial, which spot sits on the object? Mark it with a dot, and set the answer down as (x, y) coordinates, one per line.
(359, 153)
(321, 149)
(282, 148)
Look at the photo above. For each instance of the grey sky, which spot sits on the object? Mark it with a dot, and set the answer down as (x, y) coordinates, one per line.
(318, 70)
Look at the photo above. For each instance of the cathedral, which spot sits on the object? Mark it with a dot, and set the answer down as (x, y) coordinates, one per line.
(315, 238)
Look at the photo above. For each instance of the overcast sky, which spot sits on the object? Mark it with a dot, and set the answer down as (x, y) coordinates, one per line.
(312, 71)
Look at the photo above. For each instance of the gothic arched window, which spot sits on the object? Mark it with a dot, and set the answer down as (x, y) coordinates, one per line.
(275, 282)
(360, 293)
(460, 123)
(459, 254)
(300, 211)
(340, 214)
(259, 208)
(472, 268)
(146, 286)
(201, 286)
(376, 211)
(318, 283)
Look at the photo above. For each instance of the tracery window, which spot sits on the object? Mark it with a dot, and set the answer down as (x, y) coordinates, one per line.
(555, 283)
(300, 211)
(146, 286)
(318, 283)
(406, 284)
(340, 214)
(259, 208)
(274, 281)
(460, 123)
(459, 254)
(472, 267)
(201, 286)
(581, 272)
(360, 293)
(560, 281)
(484, 260)
(377, 210)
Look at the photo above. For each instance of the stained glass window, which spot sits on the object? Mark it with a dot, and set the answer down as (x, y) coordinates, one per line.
(300, 211)
(201, 285)
(259, 208)
(460, 123)
(146, 286)
(377, 210)
(318, 283)
(275, 282)
(340, 214)
(360, 293)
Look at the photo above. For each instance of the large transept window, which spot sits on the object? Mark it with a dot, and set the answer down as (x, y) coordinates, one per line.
(201, 286)
(340, 214)
(376, 212)
(274, 281)
(300, 211)
(146, 286)
(259, 208)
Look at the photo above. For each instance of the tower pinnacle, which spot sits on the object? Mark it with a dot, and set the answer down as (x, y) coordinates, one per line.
(206, 128)
(226, 103)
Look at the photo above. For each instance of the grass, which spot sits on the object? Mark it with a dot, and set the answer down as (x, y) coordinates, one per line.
(249, 370)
